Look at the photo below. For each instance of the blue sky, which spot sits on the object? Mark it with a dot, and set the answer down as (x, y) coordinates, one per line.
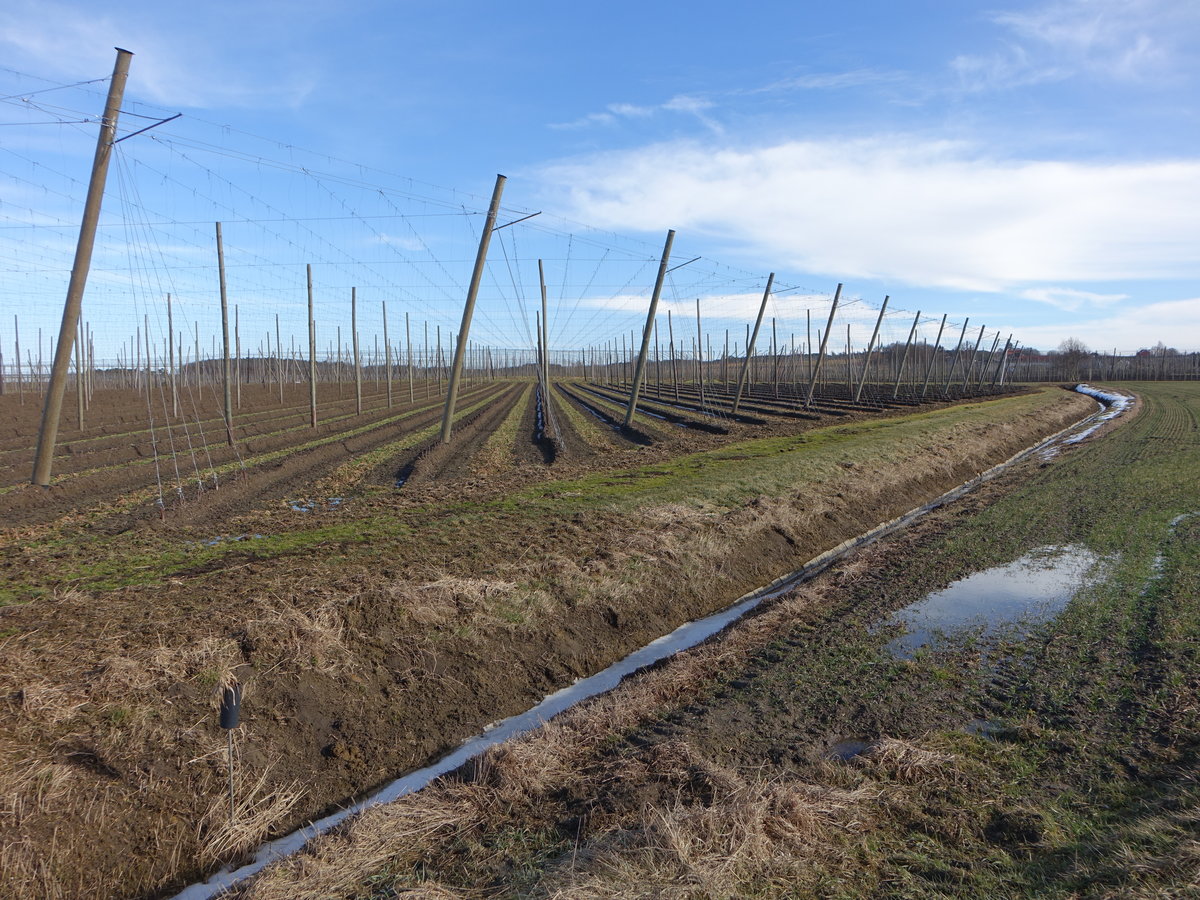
(1031, 165)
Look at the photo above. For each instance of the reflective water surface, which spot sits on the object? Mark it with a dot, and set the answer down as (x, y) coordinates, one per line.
(1010, 598)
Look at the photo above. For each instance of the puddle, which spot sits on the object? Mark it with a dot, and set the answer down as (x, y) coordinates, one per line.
(847, 750)
(988, 729)
(303, 506)
(223, 539)
(1011, 598)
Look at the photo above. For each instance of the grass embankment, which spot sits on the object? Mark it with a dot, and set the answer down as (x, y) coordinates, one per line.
(708, 778)
(377, 635)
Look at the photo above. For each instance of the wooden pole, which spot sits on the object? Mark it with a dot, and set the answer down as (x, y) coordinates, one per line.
(957, 354)
(357, 358)
(762, 308)
(545, 335)
(79, 377)
(17, 343)
(387, 355)
(225, 338)
(278, 359)
(312, 351)
(171, 346)
(812, 382)
(464, 329)
(47, 436)
(237, 354)
(699, 354)
(648, 330)
(933, 356)
(903, 359)
(674, 367)
(871, 349)
(409, 355)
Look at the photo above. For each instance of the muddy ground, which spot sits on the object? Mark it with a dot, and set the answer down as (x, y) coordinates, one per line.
(375, 634)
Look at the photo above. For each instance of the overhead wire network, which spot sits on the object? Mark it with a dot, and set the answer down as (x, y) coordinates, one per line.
(397, 241)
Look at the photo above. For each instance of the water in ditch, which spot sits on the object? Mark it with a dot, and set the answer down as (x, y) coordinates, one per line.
(1010, 599)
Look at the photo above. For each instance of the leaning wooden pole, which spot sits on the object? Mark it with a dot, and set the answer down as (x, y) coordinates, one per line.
(957, 354)
(640, 371)
(933, 355)
(225, 338)
(762, 308)
(816, 373)
(871, 350)
(312, 352)
(903, 359)
(545, 335)
(171, 352)
(47, 436)
(464, 329)
(357, 358)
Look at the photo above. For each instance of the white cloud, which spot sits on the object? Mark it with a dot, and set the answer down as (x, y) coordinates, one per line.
(615, 112)
(1175, 322)
(204, 70)
(824, 81)
(903, 210)
(1071, 299)
(1117, 40)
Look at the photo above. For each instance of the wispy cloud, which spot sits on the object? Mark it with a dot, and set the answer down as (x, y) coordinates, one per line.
(830, 81)
(1071, 299)
(1112, 40)
(1176, 322)
(906, 210)
(614, 113)
(207, 70)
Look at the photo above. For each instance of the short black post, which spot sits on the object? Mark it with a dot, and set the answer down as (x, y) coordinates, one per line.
(231, 712)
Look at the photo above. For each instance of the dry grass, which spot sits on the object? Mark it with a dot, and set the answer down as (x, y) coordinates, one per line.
(259, 807)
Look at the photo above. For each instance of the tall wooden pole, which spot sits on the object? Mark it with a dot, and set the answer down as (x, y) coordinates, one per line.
(903, 359)
(674, 367)
(816, 373)
(357, 358)
(933, 356)
(545, 333)
(171, 351)
(312, 352)
(649, 329)
(409, 359)
(957, 354)
(387, 354)
(237, 353)
(17, 345)
(762, 308)
(464, 329)
(43, 458)
(225, 338)
(79, 375)
(871, 349)
(278, 359)
(699, 353)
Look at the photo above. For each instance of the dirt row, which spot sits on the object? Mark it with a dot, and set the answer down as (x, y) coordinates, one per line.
(194, 477)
